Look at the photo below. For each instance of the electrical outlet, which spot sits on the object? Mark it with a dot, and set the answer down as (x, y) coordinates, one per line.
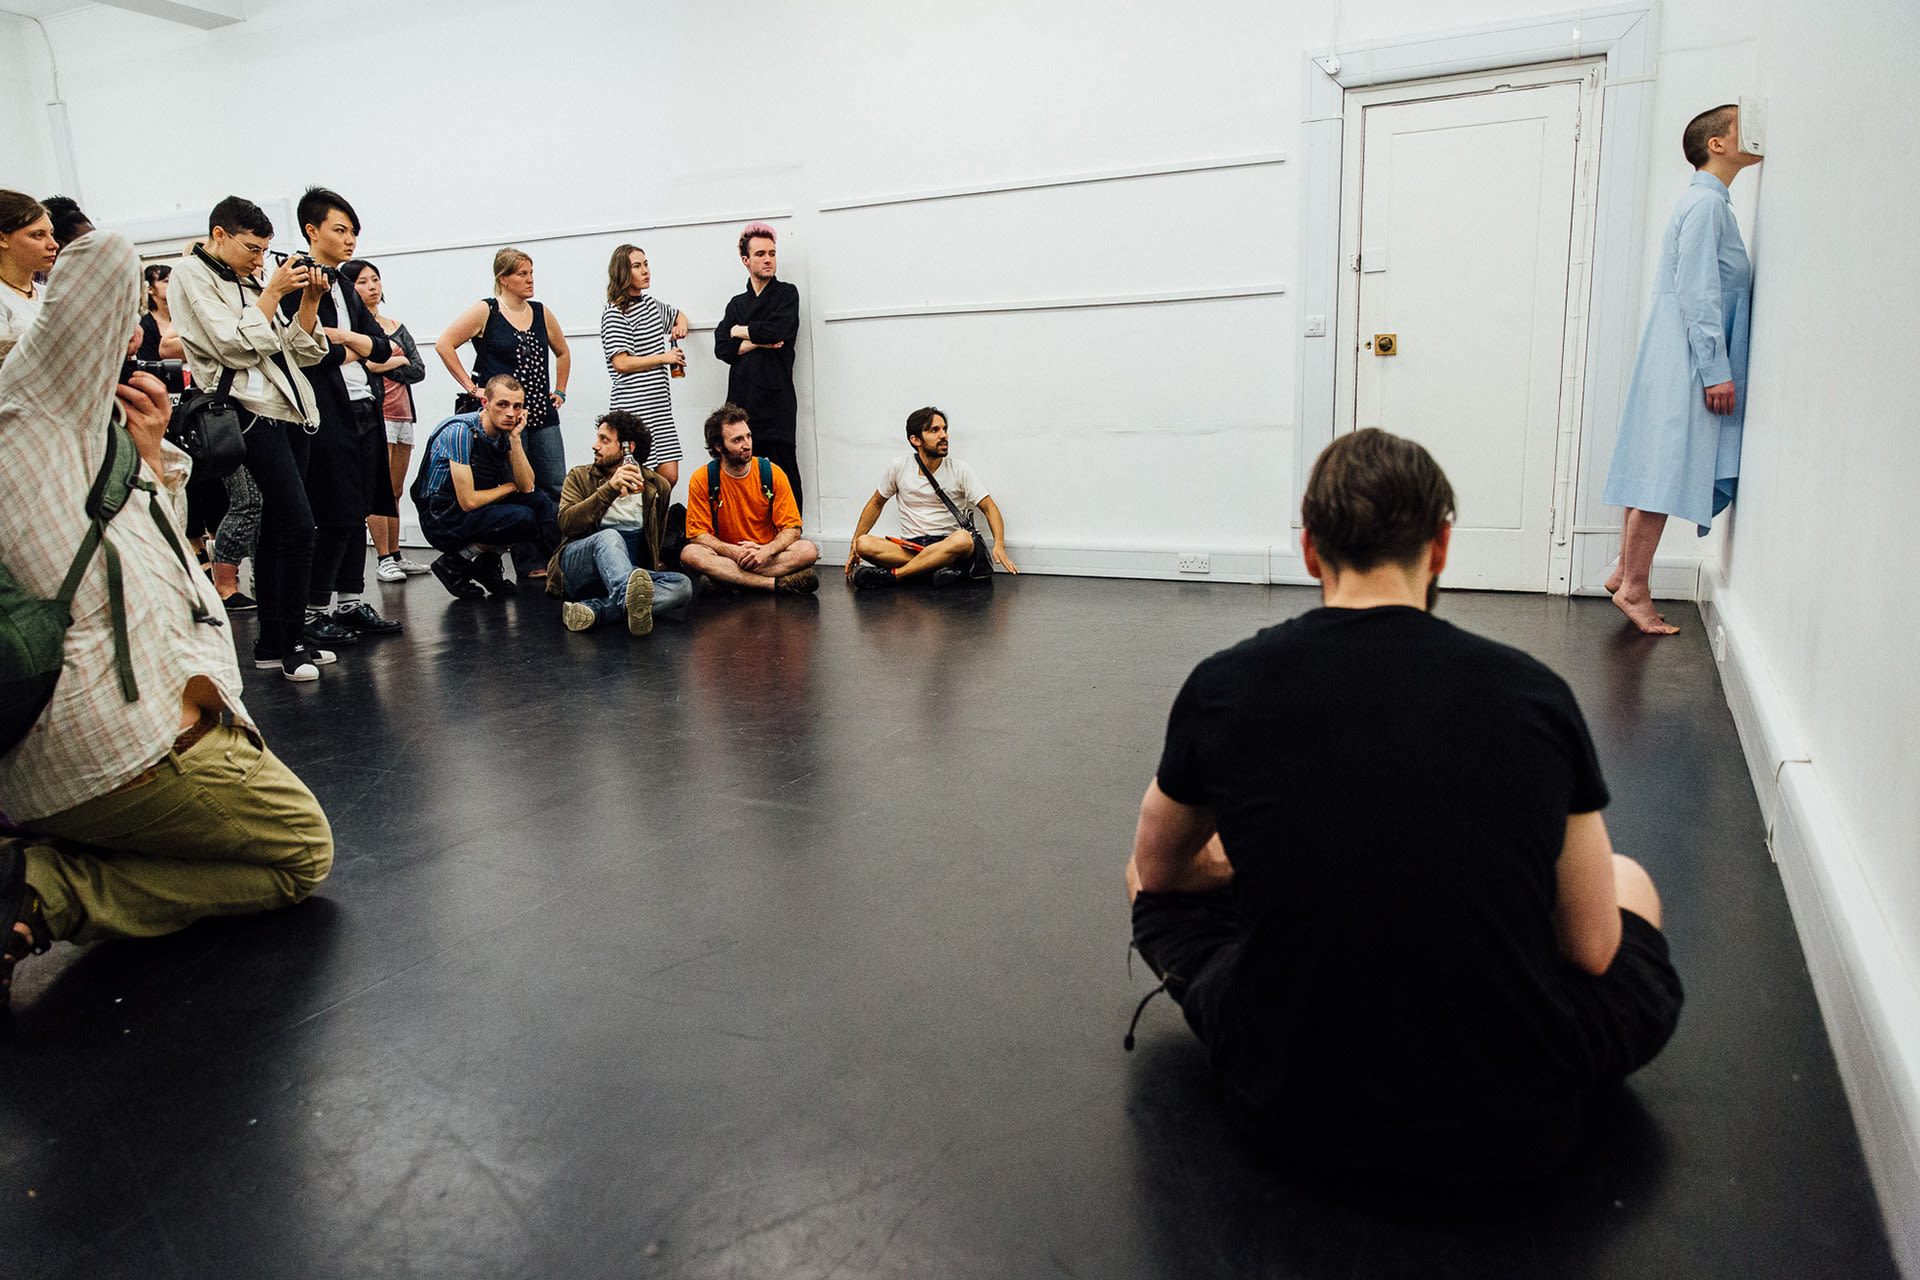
(1196, 562)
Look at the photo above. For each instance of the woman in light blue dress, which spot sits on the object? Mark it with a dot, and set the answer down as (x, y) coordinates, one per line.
(1678, 452)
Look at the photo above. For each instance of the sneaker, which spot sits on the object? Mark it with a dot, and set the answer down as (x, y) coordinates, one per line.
(412, 568)
(390, 570)
(240, 602)
(576, 616)
(801, 582)
(488, 573)
(456, 575)
(947, 578)
(264, 661)
(639, 602)
(325, 631)
(868, 576)
(365, 619)
(303, 664)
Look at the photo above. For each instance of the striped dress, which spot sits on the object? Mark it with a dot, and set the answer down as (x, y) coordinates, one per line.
(641, 330)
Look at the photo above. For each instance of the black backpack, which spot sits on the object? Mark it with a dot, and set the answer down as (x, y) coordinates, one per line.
(33, 632)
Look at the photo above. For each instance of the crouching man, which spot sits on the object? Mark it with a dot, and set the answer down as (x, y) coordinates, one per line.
(151, 798)
(1372, 868)
(476, 493)
(937, 497)
(613, 512)
(743, 528)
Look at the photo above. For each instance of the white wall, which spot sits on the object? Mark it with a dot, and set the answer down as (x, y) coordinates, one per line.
(26, 149)
(1113, 436)
(1817, 588)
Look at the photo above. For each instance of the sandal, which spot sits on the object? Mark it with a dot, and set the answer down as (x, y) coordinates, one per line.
(19, 904)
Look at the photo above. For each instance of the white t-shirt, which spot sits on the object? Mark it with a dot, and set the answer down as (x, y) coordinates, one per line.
(923, 517)
(628, 511)
(355, 374)
(16, 312)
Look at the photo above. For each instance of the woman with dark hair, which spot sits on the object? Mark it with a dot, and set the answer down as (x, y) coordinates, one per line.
(392, 381)
(27, 248)
(639, 335)
(158, 341)
(512, 334)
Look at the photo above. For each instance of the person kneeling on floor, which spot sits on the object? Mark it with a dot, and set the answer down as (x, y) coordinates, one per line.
(1372, 869)
(476, 492)
(743, 528)
(938, 495)
(125, 750)
(613, 513)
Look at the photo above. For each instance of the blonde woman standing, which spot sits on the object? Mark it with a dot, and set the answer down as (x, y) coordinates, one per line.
(511, 333)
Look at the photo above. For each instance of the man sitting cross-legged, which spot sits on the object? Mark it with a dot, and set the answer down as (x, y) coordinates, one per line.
(612, 513)
(476, 492)
(935, 546)
(742, 526)
(1372, 868)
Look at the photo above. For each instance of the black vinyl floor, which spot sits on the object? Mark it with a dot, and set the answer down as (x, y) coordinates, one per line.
(792, 942)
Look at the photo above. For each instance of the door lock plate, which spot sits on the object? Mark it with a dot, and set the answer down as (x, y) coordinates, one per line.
(1385, 344)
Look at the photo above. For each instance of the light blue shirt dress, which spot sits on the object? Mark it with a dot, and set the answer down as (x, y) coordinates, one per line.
(1672, 455)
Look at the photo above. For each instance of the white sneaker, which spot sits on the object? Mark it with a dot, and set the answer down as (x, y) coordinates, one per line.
(412, 568)
(576, 615)
(390, 571)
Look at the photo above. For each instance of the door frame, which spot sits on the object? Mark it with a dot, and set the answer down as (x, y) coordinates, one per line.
(1585, 74)
(1627, 38)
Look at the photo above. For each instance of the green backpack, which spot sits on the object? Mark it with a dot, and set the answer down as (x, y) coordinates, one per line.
(33, 632)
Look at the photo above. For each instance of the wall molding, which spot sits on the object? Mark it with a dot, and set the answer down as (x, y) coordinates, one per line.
(1868, 1001)
(1239, 564)
(1078, 303)
(1076, 179)
(579, 233)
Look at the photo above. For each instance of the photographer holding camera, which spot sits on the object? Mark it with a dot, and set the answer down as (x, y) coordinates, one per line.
(229, 319)
(347, 479)
(149, 795)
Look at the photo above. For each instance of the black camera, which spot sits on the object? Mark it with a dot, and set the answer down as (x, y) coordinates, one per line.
(173, 373)
(307, 260)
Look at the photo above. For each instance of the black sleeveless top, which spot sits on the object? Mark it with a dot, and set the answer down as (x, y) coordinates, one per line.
(501, 348)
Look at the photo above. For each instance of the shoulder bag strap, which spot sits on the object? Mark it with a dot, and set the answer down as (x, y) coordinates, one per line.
(965, 522)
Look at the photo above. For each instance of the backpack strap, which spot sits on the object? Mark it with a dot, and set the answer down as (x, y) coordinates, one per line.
(713, 493)
(766, 480)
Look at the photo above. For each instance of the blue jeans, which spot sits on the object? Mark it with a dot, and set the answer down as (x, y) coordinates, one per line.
(601, 563)
(518, 517)
(549, 458)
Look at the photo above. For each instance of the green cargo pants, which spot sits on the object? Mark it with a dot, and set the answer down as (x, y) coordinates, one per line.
(223, 828)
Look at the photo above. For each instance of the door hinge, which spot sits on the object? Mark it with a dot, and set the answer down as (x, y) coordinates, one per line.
(1353, 263)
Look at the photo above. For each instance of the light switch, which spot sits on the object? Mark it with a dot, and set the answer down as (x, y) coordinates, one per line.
(1753, 126)
(1316, 326)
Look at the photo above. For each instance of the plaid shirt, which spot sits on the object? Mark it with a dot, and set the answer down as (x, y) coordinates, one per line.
(56, 398)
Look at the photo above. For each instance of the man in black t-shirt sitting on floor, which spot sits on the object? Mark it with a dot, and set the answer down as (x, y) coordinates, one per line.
(1372, 869)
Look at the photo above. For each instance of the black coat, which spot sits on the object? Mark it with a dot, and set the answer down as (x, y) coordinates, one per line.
(761, 381)
(346, 476)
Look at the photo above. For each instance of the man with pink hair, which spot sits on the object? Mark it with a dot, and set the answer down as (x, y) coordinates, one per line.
(756, 338)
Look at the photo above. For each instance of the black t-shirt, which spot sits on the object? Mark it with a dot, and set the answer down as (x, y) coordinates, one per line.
(1393, 793)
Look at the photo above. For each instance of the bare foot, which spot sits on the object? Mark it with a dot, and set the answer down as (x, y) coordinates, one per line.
(1643, 615)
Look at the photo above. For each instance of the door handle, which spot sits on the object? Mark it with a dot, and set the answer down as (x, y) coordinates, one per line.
(1384, 344)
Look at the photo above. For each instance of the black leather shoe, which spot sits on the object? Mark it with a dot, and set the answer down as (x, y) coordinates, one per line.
(365, 619)
(487, 571)
(327, 635)
(456, 575)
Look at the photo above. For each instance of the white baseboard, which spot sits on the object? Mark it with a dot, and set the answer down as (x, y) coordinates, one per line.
(1868, 1001)
(1241, 564)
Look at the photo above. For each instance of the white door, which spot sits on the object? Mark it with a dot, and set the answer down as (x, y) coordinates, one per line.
(1466, 221)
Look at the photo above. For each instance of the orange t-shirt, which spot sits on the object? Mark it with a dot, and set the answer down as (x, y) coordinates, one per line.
(744, 515)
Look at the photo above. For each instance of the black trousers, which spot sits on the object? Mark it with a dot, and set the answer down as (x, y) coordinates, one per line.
(781, 454)
(283, 558)
(340, 550)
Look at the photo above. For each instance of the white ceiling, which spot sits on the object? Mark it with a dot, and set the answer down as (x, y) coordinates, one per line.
(42, 8)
